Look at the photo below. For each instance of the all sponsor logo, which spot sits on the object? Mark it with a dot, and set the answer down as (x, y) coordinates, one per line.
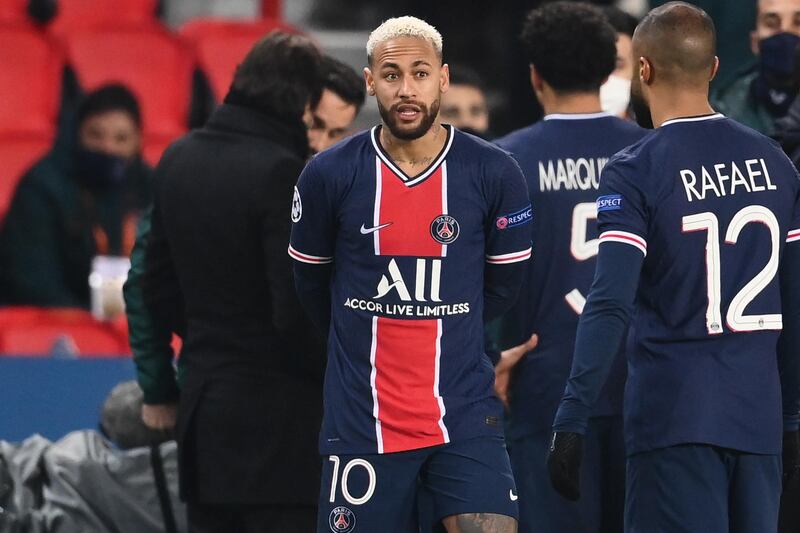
(342, 520)
(612, 202)
(517, 218)
(445, 229)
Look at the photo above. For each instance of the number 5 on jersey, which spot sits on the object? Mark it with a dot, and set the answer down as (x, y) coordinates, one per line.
(581, 248)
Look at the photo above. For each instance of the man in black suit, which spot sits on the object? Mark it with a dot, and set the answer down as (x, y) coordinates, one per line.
(217, 272)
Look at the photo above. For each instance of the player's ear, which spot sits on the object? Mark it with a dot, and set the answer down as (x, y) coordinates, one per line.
(714, 68)
(444, 80)
(369, 81)
(645, 71)
(536, 80)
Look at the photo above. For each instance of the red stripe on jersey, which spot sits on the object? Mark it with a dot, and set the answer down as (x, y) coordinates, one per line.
(406, 353)
(410, 210)
(312, 259)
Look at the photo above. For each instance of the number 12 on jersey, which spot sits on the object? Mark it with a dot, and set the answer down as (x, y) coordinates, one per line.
(735, 318)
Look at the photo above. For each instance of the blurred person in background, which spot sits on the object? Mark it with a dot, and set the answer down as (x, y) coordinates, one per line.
(464, 104)
(571, 52)
(125, 479)
(216, 269)
(615, 93)
(763, 94)
(343, 94)
(80, 201)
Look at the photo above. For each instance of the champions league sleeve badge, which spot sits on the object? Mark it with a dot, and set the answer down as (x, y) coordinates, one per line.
(297, 206)
(342, 520)
(444, 229)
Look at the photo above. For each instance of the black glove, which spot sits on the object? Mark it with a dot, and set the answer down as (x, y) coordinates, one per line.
(564, 464)
(791, 460)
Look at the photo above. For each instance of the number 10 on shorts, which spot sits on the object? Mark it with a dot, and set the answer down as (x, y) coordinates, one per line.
(353, 463)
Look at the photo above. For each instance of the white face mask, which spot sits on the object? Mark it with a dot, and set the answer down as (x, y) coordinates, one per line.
(615, 95)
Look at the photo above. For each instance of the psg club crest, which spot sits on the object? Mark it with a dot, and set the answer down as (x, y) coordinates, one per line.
(444, 229)
(297, 206)
(342, 520)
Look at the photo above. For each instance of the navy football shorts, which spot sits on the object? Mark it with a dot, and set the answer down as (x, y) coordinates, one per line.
(407, 491)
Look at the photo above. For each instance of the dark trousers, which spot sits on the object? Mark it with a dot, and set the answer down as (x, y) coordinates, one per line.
(600, 509)
(698, 488)
(205, 518)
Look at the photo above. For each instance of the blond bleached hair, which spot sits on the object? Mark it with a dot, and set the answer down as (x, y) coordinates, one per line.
(404, 27)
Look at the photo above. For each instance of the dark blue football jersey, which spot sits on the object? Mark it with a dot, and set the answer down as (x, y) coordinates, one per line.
(406, 363)
(711, 204)
(562, 158)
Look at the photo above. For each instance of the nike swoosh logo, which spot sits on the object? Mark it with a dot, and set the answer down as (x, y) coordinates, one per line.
(513, 496)
(367, 231)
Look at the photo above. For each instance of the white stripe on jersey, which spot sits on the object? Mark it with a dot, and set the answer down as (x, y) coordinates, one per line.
(306, 258)
(513, 257)
(625, 238)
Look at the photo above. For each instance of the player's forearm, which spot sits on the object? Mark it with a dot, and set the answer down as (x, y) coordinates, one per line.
(312, 283)
(501, 288)
(789, 343)
(150, 340)
(601, 331)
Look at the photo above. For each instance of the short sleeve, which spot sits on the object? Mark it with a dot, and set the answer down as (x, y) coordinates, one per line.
(621, 208)
(793, 234)
(510, 216)
(313, 225)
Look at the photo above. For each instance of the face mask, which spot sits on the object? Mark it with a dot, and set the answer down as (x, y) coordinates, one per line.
(615, 95)
(775, 86)
(99, 170)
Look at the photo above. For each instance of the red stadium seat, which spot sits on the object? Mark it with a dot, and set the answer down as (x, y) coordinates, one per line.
(30, 81)
(19, 316)
(156, 66)
(14, 11)
(221, 44)
(78, 15)
(36, 333)
(16, 156)
(271, 9)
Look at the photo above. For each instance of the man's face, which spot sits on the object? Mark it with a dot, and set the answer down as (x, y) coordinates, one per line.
(331, 121)
(407, 78)
(624, 68)
(112, 132)
(464, 106)
(775, 16)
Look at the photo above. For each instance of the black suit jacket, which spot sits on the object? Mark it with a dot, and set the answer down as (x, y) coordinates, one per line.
(217, 270)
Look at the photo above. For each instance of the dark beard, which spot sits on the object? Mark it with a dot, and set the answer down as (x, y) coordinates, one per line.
(428, 118)
(641, 111)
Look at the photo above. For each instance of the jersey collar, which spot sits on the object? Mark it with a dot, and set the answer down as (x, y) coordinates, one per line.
(410, 181)
(576, 116)
(700, 118)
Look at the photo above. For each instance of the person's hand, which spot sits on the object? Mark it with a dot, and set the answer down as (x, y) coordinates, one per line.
(160, 416)
(508, 360)
(564, 464)
(791, 460)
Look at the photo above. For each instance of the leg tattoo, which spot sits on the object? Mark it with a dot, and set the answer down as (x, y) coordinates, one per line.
(480, 523)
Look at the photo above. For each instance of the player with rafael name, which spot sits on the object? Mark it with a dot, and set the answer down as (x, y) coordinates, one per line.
(407, 238)
(701, 236)
(571, 50)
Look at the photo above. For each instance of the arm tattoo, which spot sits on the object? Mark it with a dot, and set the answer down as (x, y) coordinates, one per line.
(480, 523)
